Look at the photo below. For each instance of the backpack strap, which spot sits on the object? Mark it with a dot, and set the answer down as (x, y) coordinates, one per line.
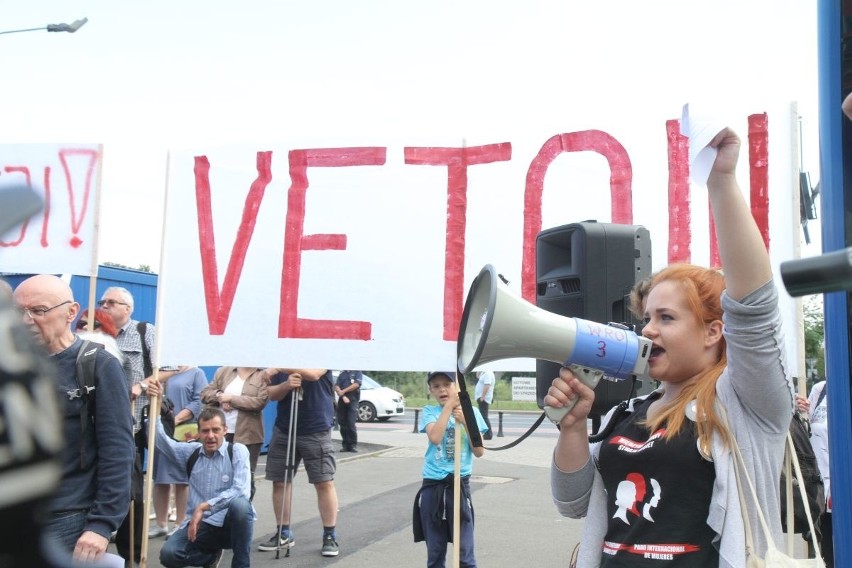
(86, 357)
(821, 396)
(190, 463)
(193, 457)
(147, 366)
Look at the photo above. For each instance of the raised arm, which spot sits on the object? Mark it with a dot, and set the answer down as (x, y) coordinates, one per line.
(744, 258)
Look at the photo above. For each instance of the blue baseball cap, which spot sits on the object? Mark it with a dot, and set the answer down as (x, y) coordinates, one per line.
(449, 374)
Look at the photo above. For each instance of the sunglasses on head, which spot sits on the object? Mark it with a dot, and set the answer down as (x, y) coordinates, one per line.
(83, 324)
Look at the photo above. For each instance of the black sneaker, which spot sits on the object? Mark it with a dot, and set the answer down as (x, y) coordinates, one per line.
(216, 560)
(277, 541)
(329, 546)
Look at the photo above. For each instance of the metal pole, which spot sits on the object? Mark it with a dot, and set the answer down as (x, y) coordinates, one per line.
(289, 466)
(835, 135)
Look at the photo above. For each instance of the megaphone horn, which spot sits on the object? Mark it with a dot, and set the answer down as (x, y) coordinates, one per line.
(497, 324)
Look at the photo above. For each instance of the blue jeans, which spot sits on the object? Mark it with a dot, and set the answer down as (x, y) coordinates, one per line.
(438, 530)
(235, 534)
(64, 529)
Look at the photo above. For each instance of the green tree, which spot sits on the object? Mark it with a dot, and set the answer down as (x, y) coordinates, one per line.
(141, 267)
(814, 320)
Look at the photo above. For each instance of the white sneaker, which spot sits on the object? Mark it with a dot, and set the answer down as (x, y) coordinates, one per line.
(172, 515)
(157, 531)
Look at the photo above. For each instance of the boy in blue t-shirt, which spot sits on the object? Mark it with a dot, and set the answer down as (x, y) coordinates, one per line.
(433, 506)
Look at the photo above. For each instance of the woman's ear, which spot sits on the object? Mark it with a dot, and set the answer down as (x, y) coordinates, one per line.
(713, 332)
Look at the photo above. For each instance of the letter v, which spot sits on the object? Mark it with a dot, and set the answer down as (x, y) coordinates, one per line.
(219, 303)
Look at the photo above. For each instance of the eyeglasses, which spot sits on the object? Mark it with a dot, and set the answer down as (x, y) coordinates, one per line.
(83, 324)
(111, 303)
(34, 313)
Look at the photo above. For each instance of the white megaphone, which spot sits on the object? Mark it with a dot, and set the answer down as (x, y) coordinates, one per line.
(497, 324)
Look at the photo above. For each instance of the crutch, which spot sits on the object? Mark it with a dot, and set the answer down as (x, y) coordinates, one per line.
(289, 466)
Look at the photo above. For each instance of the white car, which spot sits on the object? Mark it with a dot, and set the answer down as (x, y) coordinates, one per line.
(377, 402)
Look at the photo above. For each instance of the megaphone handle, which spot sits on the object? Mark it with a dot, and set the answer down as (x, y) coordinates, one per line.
(589, 377)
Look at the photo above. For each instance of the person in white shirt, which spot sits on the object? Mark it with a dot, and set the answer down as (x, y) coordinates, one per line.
(484, 394)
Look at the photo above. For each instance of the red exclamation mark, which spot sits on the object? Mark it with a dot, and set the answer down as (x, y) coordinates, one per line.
(74, 195)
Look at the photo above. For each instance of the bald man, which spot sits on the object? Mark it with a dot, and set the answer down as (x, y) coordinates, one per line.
(94, 494)
(847, 106)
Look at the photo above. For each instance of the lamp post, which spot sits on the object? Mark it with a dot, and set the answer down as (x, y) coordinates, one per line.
(70, 28)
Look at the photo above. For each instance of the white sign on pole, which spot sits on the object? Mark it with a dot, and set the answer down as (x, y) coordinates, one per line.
(62, 238)
(524, 388)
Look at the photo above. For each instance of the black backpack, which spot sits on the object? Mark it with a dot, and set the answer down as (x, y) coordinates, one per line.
(814, 489)
(86, 357)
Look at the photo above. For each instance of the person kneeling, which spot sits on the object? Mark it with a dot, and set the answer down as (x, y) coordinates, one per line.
(219, 512)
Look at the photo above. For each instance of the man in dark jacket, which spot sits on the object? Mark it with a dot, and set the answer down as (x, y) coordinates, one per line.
(348, 390)
(94, 493)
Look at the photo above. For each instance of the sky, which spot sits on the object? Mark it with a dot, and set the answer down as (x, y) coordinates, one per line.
(144, 78)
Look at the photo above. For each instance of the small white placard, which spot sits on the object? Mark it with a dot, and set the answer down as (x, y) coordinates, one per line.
(523, 388)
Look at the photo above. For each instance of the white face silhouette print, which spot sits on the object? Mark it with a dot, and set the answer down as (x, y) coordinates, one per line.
(629, 491)
(655, 499)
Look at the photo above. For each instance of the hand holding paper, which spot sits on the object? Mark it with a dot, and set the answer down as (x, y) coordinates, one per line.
(701, 129)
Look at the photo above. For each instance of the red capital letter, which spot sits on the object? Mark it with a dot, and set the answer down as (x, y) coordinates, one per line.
(758, 162)
(219, 305)
(680, 214)
(620, 179)
(457, 160)
(295, 241)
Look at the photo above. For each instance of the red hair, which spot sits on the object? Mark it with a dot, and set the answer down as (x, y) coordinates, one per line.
(103, 322)
(702, 288)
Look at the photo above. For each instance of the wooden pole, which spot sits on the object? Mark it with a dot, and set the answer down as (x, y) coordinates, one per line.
(153, 413)
(154, 408)
(457, 475)
(457, 444)
(457, 498)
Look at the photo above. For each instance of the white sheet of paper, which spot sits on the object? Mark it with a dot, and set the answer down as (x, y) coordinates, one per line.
(700, 128)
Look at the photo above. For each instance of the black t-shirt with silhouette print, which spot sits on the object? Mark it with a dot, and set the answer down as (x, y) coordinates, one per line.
(658, 497)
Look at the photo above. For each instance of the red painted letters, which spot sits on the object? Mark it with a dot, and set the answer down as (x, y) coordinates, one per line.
(621, 177)
(457, 160)
(680, 215)
(219, 304)
(295, 241)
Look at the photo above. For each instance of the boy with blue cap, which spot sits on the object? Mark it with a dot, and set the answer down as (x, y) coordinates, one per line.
(433, 505)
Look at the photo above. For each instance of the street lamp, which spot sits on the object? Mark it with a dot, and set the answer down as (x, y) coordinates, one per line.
(70, 28)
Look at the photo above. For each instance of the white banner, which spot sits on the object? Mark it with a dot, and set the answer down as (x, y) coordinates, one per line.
(359, 254)
(60, 239)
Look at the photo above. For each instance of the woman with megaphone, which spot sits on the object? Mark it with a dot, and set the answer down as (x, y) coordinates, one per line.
(660, 490)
